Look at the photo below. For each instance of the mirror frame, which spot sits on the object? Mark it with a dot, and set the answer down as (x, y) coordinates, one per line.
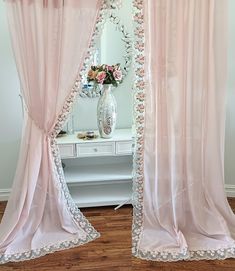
(105, 16)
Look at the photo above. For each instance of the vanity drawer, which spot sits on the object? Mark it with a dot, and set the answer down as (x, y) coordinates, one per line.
(67, 150)
(124, 147)
(96, 149)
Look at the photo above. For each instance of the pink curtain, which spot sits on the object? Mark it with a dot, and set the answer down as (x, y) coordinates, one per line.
(50, 40)
(181, 210)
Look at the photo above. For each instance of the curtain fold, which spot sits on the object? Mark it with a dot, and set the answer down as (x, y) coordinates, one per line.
(50, 41)
(181, 210)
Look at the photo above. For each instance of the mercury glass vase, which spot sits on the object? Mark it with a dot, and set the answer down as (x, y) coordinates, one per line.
(107, 112)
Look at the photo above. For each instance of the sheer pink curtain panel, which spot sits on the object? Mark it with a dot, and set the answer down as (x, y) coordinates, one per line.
(181, 210)
(50, 40)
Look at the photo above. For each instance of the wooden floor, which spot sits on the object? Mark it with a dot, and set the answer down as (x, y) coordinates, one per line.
(112, 251)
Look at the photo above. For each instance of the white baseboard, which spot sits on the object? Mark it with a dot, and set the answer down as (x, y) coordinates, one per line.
(229, 188)
(4, 194)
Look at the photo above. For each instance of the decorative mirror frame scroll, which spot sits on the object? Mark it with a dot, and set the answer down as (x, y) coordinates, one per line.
(106, 14)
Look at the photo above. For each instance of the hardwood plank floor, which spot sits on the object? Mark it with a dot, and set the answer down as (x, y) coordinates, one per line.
(112, 251)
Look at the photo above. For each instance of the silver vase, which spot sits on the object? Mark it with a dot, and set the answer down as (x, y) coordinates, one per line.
(106, 112)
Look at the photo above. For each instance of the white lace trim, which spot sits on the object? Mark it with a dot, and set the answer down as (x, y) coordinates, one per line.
(138, 169)
(139, 105)
(36, 253)
(187, 255)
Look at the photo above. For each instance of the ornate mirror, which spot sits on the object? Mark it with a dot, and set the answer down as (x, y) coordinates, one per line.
(112, 44)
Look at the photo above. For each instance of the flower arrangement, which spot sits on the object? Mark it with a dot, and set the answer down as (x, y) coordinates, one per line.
(105, 74)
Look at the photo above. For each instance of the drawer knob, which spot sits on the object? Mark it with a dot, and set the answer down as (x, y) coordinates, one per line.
(95, 149)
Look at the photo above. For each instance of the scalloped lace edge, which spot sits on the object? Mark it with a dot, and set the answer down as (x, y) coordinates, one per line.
(187, 255)
(33, 254)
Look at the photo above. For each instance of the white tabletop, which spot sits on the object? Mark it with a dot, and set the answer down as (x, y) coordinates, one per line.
(119, 135)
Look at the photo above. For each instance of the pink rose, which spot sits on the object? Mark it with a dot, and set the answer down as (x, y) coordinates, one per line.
(110, 68)
(117, 74)
(100, 77)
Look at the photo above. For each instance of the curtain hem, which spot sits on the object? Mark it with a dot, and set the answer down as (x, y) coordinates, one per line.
(187, 255)
(32, 254)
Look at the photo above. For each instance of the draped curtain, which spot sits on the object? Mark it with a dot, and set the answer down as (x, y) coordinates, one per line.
(180, 209)
(50, 40)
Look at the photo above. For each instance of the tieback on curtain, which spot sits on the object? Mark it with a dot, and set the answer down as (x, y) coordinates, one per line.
(63, 115)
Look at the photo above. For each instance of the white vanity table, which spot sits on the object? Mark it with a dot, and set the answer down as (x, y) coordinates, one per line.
(98, 171)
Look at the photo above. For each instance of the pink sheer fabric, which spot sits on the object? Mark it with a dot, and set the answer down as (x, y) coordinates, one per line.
(50, 40)
(181, 210)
